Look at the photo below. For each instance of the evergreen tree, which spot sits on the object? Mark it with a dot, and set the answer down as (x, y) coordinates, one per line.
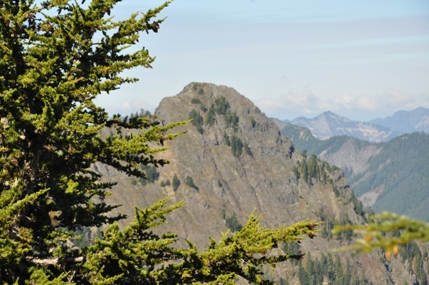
(296, 172)
(175, 182)
(304, 170)
(56, 57)
(151, 174)
(231, 120)
(195, 101)
(210, 117)
(303, 277)
(226, 138)
(197, 120)
(232, 223)
(236, 145)
(313, 167)
(221, 105)
(190, 182)
(248, 150)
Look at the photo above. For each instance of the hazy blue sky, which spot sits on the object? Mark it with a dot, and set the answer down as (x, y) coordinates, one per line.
(360, 59)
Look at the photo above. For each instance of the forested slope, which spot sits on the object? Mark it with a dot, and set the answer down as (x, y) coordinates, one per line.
(402, 169)
(393, 173)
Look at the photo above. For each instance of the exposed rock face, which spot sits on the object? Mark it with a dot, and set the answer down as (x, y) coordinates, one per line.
(350, 156)
(257, 176)
(262, 180)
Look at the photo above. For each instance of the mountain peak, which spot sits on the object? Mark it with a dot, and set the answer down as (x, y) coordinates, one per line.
(329, 113)
(233, 161)
(329, 124)
(218, 109)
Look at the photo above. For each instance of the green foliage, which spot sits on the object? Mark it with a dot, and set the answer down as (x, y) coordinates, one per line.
(358, 206)
(236, 145)
(334, 187)
(226, 138)
(85, 237)
(247, 149)
(219, 263)
(199, 88)
(313, 169)
(296, 172)
(52, 67)
(56, 57)
(303, 139)
(346, 234)
(107, 260)
(176, 182)
(394, 234)
(221, 105)
(231, 120)
(328, 224)
(197, 120)
(382, 232)
(151, 174)
(210, 116)
(142, 114)
(336, 192)
(412, 253)
(328, 268)
(304, 170)
(293, 248)
(165, 183)
(190, 182)
(232, 223)
(400, 164)
(195, 101)
(409, 251)
(324, 268)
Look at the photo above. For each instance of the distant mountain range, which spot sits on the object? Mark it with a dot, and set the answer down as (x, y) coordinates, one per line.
(329, 124)
(389, 176)
(406, 121)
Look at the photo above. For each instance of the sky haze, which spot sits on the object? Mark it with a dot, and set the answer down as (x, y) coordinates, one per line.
(359, 59)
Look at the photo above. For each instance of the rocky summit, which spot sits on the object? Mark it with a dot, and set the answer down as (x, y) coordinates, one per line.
(231, 162)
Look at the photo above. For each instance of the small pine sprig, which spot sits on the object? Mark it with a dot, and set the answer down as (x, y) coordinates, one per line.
(386, 230)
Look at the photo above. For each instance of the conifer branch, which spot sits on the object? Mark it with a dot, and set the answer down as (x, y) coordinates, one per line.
(386, 230)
